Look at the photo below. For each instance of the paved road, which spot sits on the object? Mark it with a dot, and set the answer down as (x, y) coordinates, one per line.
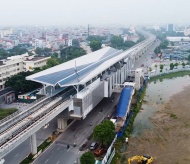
(20, 152)
(78, 136)
(76, 133)
(146, 58)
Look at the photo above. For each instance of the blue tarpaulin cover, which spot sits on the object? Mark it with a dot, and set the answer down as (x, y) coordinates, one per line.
(124, 102)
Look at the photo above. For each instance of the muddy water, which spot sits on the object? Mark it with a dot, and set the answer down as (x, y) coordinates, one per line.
(157, 93)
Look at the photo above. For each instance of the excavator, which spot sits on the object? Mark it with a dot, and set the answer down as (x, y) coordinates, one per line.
(145, 159)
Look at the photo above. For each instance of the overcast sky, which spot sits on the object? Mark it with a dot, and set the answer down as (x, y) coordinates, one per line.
(95, 12)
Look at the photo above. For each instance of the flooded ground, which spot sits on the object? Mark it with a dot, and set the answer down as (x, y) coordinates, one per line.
(162, 128)
(157, 93)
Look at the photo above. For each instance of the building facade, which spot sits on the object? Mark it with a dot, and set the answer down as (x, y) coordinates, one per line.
(20, 63)
(170, 27)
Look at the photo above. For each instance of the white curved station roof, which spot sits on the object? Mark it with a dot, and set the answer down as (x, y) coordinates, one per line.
(81, 70)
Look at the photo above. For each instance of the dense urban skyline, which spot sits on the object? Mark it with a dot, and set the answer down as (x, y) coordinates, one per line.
(62, 12)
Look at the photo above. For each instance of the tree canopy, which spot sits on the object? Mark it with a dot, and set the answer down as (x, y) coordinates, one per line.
(95, 45)
(171, 66)
(75, 43)
(17, 50)
(50, 63)
(71, 52)
(163, 45)
(96, 38)
(117, 41)
(104, 132)
(43, 51)
(87, 158)
(3, 53)
(188, 58)
(20, 85)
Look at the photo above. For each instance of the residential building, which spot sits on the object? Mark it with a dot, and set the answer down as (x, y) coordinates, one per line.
(39, 43)
(5, 32)
(178, 39)
(170, 27)
(32, 62)
(20, 63)
(7, 96)
(70, 42)
(187, 31)
(9, 67)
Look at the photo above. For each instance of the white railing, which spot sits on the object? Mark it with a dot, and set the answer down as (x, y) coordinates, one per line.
(17, 140)
(111, 156)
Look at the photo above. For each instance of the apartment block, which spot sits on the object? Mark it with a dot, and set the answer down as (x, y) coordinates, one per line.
(20, 63)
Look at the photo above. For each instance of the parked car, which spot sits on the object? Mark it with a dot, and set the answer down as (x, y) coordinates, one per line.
(99, 152)
(93, 146)
(142, 65)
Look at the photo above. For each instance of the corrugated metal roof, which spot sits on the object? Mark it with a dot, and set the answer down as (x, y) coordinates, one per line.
(124, 101)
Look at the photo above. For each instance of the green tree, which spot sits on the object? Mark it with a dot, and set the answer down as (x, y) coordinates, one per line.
(75, 43)
(3, 53)
(176, 64)
(20, 85)
(188, 58)
(128, 44)
(39, 51)
(87, 158)
(150, 69)
(52, 62)
(95, 45)
(61, 47)
(171, 66)
(96, 38)
(161, 66)
(183, 64)
(71, 52)
(117, 41)
(17, 50)
(104, 132)
(55, 54)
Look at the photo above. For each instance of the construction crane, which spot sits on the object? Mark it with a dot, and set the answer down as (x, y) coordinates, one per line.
(145, 159)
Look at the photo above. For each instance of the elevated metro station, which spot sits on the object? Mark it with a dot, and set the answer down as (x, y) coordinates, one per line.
(85, 81)
(94, 76)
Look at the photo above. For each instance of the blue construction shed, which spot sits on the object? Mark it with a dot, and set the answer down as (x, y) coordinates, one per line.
(124, 102)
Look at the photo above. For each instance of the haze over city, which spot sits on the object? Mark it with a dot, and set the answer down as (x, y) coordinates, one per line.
(94, 81)
(124, 12)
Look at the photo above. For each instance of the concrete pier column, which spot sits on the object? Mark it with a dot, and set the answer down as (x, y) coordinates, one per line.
(2, 161)
(62, 124)
(33, 144)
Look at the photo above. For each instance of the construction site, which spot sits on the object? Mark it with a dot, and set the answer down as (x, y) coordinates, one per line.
(168, 136)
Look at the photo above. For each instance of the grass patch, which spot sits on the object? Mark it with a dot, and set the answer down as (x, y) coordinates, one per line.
(27, 160)
(42, 147)
(115, 158)
(6, 112)
(173, 116)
